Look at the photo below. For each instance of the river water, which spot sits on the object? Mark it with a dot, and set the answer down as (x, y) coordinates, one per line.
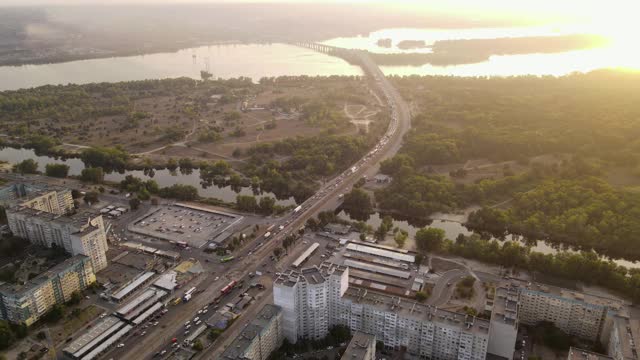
(162, 177)
(264, 60)
(452, 225)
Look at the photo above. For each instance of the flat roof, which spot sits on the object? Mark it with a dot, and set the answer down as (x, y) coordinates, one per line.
(98, 332)
(109, 342)
(410, 308)
(381, 252)
(240, 344)
(581, 354)
(377, 269)
(144, 316)
(361, 345)
(140, 304)
(133, 285)
(305, 254)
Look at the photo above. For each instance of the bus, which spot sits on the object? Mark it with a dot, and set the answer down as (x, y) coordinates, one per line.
(182, 244)
(188, 294)
(297, 209)
(227, 258)
(227, 289)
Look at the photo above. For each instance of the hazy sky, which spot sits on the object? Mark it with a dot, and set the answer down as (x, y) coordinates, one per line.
(607, 12)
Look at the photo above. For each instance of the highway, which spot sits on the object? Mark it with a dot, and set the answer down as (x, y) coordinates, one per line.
(250, 258)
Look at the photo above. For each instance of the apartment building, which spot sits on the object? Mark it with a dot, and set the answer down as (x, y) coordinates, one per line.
(259, 338)
(624, 338)
(27, 303)
(575, 313)
(361, 347)
(315, 299)
(581, 354)
(81, 233)
(51, 199)
(503, 331)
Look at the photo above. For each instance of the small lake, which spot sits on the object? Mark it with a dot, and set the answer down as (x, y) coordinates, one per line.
(162, 177)
(452, 224)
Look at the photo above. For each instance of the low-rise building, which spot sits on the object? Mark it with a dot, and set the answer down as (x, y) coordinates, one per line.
(581, 354)
(81, 233)
(25, 304)
(361, 347)
(259, 338)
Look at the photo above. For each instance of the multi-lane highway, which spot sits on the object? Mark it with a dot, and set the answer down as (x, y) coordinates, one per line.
(251, 258)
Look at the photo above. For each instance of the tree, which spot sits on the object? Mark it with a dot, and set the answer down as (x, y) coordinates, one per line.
(57, 170)
(197, 345)
(357, 203)
(91, 197)
(28, 166)
(55, 314)
(267, 205)
(429, 239)
(277, 252)
(105, 157)
(134, 203)
(7, 337)
(401, 238)
(94, 175)
(419, 259)
(421, 296)
(246, 203)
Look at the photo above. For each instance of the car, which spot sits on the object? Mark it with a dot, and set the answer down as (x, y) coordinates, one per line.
(163, 352)
(121, 345)
(103, 315)
(199, 311)
(87, 297)
(188, 327)
(216, 279)
(143, 333)
(196, 319)
(187, 323)
(204, 311)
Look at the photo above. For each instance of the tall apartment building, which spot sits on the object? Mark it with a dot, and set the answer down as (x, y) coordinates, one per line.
(503, 331)
(259, 338)
(361, 347)
(82, 233)
(575, 313)
(51, 199)
(27, 303)
(315, 299)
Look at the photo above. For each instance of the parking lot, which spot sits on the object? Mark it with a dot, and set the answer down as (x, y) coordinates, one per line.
(178, 223)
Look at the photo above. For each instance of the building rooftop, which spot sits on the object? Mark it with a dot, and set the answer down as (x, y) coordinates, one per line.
(132, 286)
(97, 333)
(359, 346)
(573, 295)
(409, 308)
(629, 332)
(580, 354)
(79, 220)
(239, 346)
(505, 305)
(312, 275)
(45, 276)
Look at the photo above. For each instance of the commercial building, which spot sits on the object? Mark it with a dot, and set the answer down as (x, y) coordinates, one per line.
(315, 299)
(81, 233)
(361, 347)
(132, 286)
(575, 313)
(51, 199)
(259, 338)
(97, 340)
(27, 303)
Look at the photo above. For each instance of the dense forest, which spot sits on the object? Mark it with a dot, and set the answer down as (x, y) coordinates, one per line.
(588, 122)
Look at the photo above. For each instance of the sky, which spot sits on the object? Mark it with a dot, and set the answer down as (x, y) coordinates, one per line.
(616, 13)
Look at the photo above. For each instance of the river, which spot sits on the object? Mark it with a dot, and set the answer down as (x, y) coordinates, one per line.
(162, 177)
(265, 60)
(452, 225)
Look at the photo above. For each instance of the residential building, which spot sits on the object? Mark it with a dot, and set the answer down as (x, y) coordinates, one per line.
(51, 199)
(81, 233)
(580, 354)
(575, 313)
(259, 338)
(315, 299)
(503, 330)
(27, 303)
(361, 347)
(625, 334)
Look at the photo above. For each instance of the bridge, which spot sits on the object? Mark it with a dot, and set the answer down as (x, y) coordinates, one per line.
(349, 55)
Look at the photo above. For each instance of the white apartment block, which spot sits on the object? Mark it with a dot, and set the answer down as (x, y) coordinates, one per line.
(503, 331)
(315, 299)
(575, 313)
(259, 338)
(82, 233)
(51, 199)
(361, 347)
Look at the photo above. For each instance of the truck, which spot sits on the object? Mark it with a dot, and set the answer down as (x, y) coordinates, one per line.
(297, 209)
(188, 294)
(227, 289)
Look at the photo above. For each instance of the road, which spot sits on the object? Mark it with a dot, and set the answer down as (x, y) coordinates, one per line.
(326, 198)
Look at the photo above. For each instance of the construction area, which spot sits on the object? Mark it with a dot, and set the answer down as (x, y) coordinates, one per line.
(184, 225)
